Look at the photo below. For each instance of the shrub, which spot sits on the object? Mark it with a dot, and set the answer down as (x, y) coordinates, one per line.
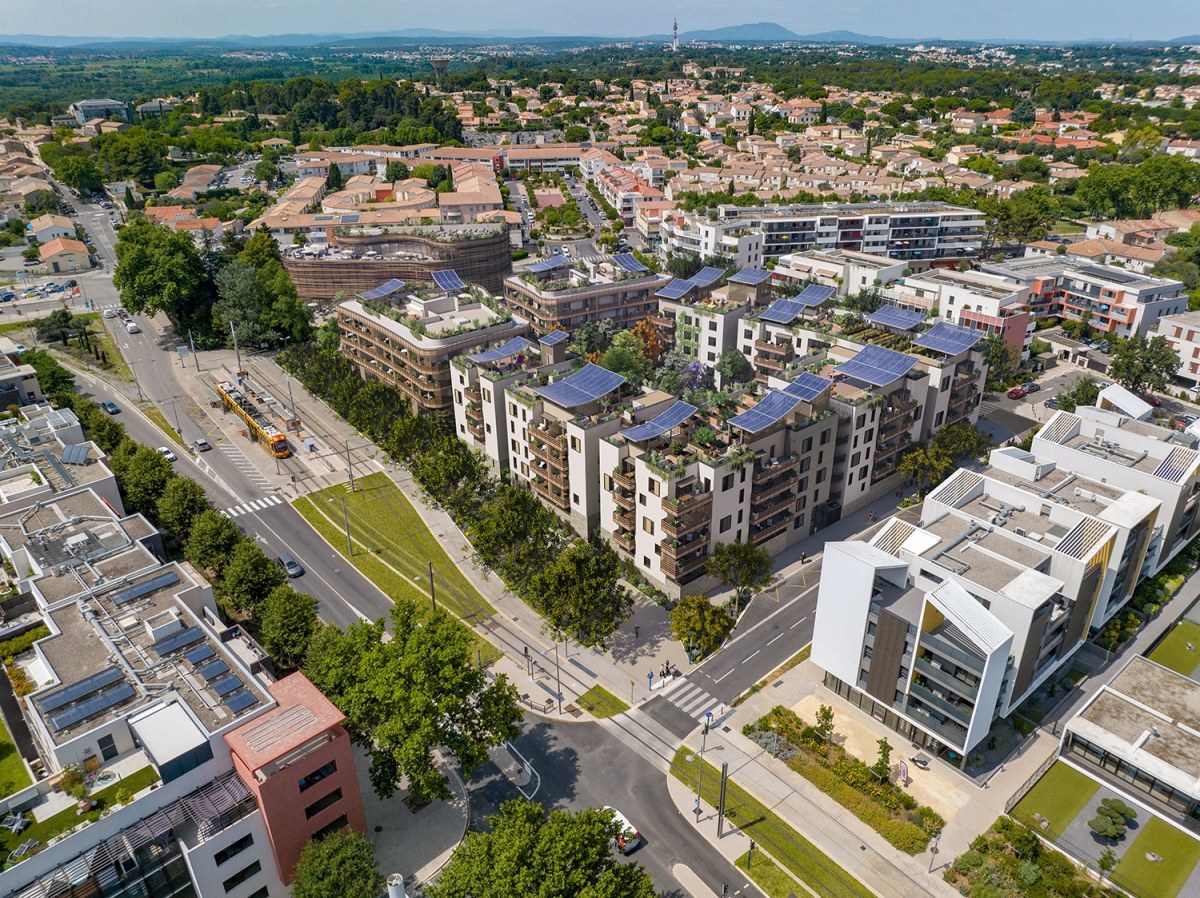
(10, 648)
(21, 683)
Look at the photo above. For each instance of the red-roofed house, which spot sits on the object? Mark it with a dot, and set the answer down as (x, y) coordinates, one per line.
(64, 254)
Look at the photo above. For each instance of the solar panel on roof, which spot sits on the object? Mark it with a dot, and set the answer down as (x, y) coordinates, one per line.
(124, 596)
(227, 685)
(350, 219)
(513, 347)
(449, 280)
(660, 424)
(894, 316)
(198, 654)
(877, 366)
(548, 264)
(240, 702)
(707, 276)
(751, 276)
(76, 454)
(781, 311)
(97, 704)
(75, 691)
(213, 669)
(771, 410)
(948, 338)
(815, 295)
(629, 263)
(553, 338)
(383, 290)
(177, 641)
(676, 289)
(587, 384)
(808, 386)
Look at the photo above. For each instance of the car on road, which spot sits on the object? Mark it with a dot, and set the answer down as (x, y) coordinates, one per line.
(201, 444)
(131, 327)
(7, 297)
(1183, 421)
(1031, 386)
(109, 313)
(1052, 402)
(1016, 393)
(1153, 400)
(166, 453)
(627, 838)
(29, 263)
(289, 565)
(109, 406)
(71, 283)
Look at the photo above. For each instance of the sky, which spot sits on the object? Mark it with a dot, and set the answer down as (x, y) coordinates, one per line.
(958, 19)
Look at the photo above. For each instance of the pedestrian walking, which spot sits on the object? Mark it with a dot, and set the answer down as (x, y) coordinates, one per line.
(637, 632)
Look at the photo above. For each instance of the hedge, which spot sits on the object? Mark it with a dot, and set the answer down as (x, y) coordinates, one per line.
(10, 648)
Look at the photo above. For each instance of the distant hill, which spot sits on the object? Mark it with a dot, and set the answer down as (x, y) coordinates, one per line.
(758, 31)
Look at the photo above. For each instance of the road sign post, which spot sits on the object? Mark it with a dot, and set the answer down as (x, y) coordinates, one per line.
(721, 805)
(650, 679)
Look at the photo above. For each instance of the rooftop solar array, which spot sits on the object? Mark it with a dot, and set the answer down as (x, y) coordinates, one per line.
(75, 691)
(815, 295)
(97, 704)
(877, 366)
(75, 454)
(124, 596)
(199, 653)
(894, 316)
(553, 338)
(707, 276)
(213, 669)
(782, 311)
(240, 702)
(586, 385)
(751, 276)
(660, 424)
(449, 280)
(177, 641)
(383, 290)
(771, 410)
(549, 264)
(629, 263)
(227, 685)
(808, 386)
(676, 289)
(508, 350)
(948, 338)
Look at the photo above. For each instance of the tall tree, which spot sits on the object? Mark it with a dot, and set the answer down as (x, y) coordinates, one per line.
(1142, 365)
(249, 577)
(142, 473)
(289, 620)
(211, 541)
(740, 566)
(159, 270)
(341, 865)
(579, 594)
(182, 500)
(733, 367)
(529, 851)
(699, 624)
(419, 691)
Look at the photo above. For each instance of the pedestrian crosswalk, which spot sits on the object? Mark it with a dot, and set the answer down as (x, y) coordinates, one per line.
(692, 700)
(244, 466)
(255, 505)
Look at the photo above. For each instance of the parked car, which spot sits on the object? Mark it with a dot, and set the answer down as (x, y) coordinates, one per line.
(1052, 402)
(289, 565)
(627, 838)
(110, 407)
(131, 327)
(201, 444)
(1016, 393)
(1031, 386)
(166, 453)
(1153, 400)
(7, 297)
(71, 283)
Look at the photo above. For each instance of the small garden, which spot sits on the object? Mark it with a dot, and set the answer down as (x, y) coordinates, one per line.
(864, 790)
(1010, 861)
(1149, 598)
(1178, 649)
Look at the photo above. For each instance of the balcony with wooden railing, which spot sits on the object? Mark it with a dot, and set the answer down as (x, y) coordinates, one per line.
(771, 468)
(771, 528)
(555, 495)
(624, 498)
(686, 516)
(475, 429)
(768, 508)
(897, 409)
(768, 491)
(624, 479)
(623, 517)
(624, 539)
(550, 434)
(473, 393)
(684, 561)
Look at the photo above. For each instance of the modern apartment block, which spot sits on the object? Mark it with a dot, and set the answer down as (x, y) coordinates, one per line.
(141, 687)
(676, 481)
(920, 234)
(941, 626)
(1115, 300)
(1182, 331)
(849, 272)
(988, 303)
(560, 294)
(406, 335)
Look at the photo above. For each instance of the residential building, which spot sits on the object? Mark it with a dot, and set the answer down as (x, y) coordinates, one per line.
(988, 303)
(1135, 257)
(624, 191)
(475, 193)
(316, 165)
(848, 271)
(63, 254)
(86, 110)
(47, 227)
(1182, 331)
(921, 234)
(561, 294)
(406, 335)
(1116, 300)
(941, 626)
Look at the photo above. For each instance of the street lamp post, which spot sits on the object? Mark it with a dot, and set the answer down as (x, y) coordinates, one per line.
(557, 677)
(700, 767)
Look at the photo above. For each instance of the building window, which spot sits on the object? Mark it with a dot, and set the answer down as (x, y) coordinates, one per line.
(337, 825)
(241, 876)
(322, 803)
(825, 437)
(655, 487)
(233, 849)
(575, 444)
(306, 782)
(647, 524)
(108, 747)
(726, 522)
(260, 893)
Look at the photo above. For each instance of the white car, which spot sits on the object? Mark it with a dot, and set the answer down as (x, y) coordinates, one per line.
(132, 328)
(627, 838)
(166, 453)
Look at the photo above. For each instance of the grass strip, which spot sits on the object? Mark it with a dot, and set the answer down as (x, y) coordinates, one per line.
(13, 775)
(1059, 796)
(600, 703)
(1164, 878)
(800, 857)
(769, 876)
(160, 420)
(1173, 651)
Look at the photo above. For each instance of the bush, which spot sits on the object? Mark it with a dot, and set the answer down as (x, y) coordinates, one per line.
(10, 648)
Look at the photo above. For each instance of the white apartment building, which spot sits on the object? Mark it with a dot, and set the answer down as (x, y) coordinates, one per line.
(1182, 331)
(988, 303)
(847, 271)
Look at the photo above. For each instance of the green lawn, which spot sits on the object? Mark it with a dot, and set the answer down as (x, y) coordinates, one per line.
(1173, 651)
(769, 876)
(375, 567)
(808, 863)
(160, 420)
(1157, 879)
(1059, 796)
(599, 702)
(13, 775)
(65, 820)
